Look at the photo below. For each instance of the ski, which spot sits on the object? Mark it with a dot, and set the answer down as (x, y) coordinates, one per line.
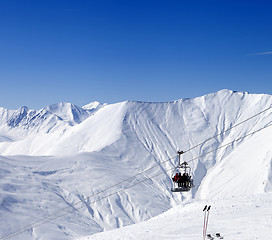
(210, 237)
(217, 236)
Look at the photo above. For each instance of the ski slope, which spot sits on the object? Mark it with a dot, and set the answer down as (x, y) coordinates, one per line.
(240, 218)
(71, 159)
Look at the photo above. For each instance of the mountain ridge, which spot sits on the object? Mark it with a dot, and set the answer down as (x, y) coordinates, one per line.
(56, 121)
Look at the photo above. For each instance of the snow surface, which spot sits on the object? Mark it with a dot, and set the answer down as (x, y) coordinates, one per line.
(60, 156)
(247, 217)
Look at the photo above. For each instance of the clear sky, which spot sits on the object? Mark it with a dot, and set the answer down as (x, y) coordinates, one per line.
(80, 51)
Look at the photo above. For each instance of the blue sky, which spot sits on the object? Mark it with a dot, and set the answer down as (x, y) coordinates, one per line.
(112, 51)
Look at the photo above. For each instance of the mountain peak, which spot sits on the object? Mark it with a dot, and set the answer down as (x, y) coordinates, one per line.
(68, 112)
(92, 105)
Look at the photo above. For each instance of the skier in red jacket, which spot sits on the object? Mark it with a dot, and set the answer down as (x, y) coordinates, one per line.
(175, 178)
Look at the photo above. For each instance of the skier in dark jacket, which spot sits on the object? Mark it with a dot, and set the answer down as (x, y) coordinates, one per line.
(186, 180)
(180, 180)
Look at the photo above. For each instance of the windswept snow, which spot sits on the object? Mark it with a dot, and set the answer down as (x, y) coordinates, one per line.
(59, 156)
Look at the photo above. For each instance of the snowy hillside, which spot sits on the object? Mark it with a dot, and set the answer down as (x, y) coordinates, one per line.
(61, 155)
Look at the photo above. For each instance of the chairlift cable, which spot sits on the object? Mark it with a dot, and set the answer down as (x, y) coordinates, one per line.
(251, 133)
(49, 219)
(238, 124)
(72, 205)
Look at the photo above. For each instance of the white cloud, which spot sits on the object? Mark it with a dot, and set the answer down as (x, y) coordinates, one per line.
(262, 53)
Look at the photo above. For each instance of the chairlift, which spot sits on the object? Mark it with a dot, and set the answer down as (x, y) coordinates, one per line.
(182, 179)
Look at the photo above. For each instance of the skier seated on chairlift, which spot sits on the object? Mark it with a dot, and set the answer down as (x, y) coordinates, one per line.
(175, 178)
(190, 181)
(180, 180)
(184, 180)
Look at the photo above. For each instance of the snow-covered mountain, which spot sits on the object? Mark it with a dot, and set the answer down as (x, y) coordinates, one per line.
(63, 154)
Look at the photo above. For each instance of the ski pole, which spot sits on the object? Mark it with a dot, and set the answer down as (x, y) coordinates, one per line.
(204, 210)
(208, 212)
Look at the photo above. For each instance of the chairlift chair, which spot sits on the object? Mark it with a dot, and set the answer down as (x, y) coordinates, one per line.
(182, 183)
